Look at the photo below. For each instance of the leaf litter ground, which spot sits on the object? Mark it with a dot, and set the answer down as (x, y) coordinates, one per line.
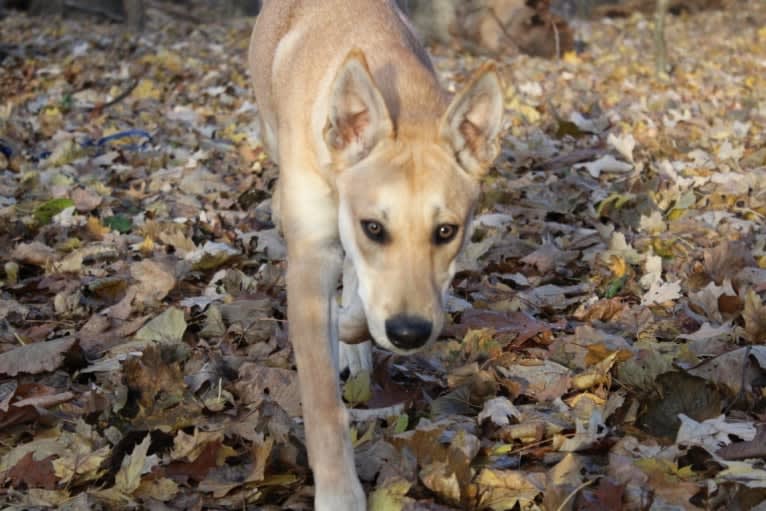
(606, 344)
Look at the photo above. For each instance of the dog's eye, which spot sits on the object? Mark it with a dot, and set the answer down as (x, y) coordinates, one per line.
(445, 233)
(375, 231)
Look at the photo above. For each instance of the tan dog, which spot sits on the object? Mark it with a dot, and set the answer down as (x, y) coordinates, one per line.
(377, 163)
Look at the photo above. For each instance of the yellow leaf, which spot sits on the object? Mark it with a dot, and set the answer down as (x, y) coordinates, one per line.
(147, 246)
(52, 111)
(529, 112)
(169, 61)
(147, 89)
(618, 265)
(666, 469)
(368, 435)
(128, 478)
(96, 228)
(571, 57)
(504, 489)
(230, 132)
(391, 497)
(358, 389)
(162, 489)
(81, 468)
(442, 480)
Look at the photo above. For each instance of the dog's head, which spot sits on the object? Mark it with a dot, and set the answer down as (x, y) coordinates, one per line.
(405, 199)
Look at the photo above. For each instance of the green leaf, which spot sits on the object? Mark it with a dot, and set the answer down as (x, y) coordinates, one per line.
(614, 287)
(45, 212)
(119, 223)
(614, 202)
(400, 426)
(565, 128)
(66, 102)
(357, 389)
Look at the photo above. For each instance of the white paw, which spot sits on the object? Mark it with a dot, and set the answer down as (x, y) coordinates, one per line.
(356, 357)
(353, 500)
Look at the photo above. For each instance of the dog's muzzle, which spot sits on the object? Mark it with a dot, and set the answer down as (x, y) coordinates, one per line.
(408, 332)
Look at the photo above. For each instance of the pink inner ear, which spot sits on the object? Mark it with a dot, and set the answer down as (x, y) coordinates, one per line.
(472, 135)
(351, 127)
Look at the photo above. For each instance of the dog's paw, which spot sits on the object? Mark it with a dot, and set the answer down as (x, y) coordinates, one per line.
(352, 500)
(356, 357)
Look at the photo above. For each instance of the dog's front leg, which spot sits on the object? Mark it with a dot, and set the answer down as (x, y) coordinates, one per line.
(355, 347)
(312, 276)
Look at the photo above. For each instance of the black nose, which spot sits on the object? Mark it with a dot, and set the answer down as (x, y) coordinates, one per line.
(408, 332)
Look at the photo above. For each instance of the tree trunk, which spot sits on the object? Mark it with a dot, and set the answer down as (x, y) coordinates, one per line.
(660, 48)
(135, 14)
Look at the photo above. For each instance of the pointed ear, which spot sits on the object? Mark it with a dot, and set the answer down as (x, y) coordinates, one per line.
(473, 121)
(358, 118)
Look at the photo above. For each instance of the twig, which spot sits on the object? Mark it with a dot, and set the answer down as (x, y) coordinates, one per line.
(497, 19)
(574, 492)
(124, 94)
(556, 38)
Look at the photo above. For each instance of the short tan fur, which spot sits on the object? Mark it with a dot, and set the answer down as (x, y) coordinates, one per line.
(377, 166)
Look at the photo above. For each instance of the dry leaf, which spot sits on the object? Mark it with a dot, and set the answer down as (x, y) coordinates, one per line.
(36, 358)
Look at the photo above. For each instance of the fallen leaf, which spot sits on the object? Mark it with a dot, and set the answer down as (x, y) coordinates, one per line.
(31, 473)
(357, 389)
(498, 410)
(167, 327)
(500, 490)
(661, 292)
(754, 316)
(36, 358)
(256, 383)
(607, 163)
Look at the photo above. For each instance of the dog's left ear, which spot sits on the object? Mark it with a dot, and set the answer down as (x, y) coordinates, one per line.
(473, 121)
(358, 118)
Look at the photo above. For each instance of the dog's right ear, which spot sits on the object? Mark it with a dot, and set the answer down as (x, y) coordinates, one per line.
(474, 120)
(358, 118)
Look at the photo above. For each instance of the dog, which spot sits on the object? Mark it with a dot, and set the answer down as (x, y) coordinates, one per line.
(378, 168)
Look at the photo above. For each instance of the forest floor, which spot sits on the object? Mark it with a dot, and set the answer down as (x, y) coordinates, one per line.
(606, 347)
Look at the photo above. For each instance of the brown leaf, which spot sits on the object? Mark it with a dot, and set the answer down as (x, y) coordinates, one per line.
(36, 358)
(199, 468)
(754, 315)
(257, 382)
(522, 324)
(34, 253)
(727, 259)
(31, 473)
(158, 382)
(155, 281)
(606, 497)
(755, 448)
(548, 257)
(85, 199)
(602, 310)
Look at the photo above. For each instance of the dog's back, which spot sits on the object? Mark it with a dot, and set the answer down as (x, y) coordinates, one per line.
(309, 39)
